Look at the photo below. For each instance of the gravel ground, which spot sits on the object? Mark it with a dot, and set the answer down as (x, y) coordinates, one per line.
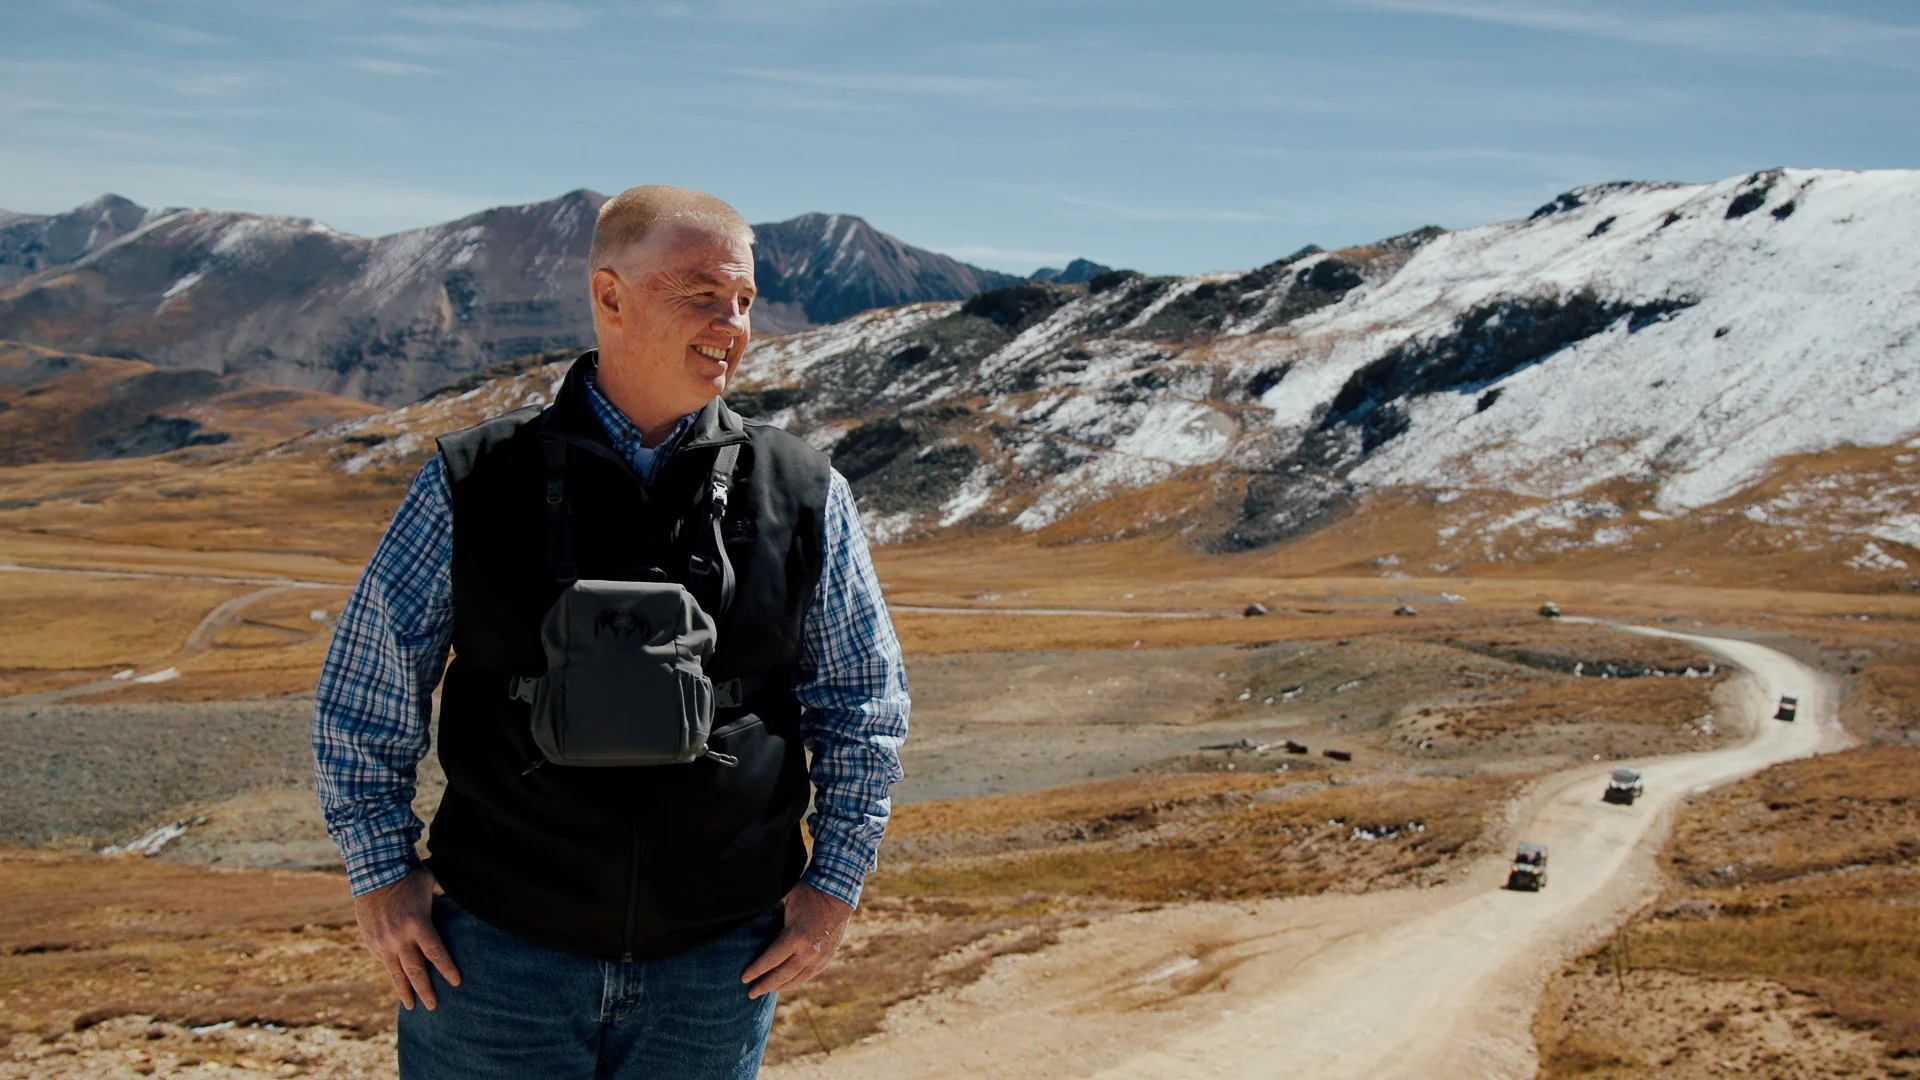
(76, 774)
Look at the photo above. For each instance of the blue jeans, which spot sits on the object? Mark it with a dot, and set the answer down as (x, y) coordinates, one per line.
(523, 1011)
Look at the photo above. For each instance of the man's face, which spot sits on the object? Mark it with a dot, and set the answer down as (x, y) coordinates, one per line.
(673, 315)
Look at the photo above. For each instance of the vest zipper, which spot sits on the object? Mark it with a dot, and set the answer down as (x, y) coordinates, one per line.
(633, 897)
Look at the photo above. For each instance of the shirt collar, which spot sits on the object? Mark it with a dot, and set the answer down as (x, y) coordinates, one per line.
(646, 461)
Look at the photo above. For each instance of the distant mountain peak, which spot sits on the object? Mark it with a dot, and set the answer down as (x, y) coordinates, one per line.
(30, 243)
(1076, 272)
(820, 267)
(109, 202)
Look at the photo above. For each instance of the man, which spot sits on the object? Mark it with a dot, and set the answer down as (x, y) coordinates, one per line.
(613, 922)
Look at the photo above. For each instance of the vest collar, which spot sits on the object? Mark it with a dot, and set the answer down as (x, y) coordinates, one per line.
(571, 415)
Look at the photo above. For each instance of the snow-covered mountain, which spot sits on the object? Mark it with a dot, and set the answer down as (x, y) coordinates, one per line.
(292, 302)
(1685, 373)
(1628, 353)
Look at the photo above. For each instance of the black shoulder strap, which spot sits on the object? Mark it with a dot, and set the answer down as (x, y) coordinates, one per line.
(559, 521)
(709, 571)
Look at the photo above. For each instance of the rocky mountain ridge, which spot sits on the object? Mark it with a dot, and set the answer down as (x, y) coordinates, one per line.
(292, 302)
(1639, 376)
(1631, 355)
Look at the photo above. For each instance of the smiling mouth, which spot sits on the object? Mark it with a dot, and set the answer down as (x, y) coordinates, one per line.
(710, 352)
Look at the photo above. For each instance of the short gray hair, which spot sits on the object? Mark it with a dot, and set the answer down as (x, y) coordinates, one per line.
(628, 217)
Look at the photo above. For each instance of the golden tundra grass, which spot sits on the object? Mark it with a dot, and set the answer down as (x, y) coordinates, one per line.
(1808, 875)
(66, 628)
(1813, 868)
(84, 938)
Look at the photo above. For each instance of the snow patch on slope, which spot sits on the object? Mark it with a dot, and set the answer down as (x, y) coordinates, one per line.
(1801, 339)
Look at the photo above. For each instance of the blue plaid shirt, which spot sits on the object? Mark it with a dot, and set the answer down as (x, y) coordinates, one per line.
(374, 701)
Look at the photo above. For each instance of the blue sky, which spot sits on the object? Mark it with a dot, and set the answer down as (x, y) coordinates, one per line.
(1172, 137)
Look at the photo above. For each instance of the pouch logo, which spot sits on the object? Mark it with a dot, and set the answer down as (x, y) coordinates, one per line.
(621, 624)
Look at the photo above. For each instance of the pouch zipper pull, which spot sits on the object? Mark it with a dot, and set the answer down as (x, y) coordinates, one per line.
(537, 762)
(725, 759)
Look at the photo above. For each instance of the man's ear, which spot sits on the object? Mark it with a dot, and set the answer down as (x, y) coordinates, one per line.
(603, 289)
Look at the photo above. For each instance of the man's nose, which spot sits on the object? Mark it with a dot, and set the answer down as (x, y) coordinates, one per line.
(733, 320)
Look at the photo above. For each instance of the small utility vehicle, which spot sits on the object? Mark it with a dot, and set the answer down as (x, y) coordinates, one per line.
(1789, 707)
(1623, 787)
(1529, 871)
(1550, 610)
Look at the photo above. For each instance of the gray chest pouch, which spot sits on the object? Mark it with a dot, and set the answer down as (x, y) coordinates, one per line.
(626, 680)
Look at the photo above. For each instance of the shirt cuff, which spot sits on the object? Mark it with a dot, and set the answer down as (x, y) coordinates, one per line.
(374, 862)
(834, 879)
(843, 855)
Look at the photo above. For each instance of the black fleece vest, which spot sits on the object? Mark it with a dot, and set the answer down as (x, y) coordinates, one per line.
(622, 863)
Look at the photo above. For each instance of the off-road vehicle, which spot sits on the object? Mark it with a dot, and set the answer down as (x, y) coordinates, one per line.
(1623, 787)
(1789, 707)
(1550, 610)
(1529, 868)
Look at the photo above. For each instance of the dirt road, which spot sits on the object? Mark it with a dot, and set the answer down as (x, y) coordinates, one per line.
(198, 641)
(1425, 983)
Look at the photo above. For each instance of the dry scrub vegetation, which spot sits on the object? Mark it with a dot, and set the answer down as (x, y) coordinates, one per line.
(1251, 837)
(1786, 940)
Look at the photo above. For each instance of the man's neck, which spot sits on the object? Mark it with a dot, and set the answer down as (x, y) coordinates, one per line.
(654, 420)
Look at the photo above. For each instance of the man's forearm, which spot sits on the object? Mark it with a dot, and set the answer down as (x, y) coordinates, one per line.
(856, 762)
(373, 703)
(853, 684)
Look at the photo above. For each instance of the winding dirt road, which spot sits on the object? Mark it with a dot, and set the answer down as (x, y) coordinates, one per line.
(1439, 982)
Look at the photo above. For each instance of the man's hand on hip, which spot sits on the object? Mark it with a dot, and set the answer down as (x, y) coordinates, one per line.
(815, 924)
(396, 926)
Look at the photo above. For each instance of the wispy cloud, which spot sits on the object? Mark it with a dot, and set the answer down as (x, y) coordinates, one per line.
(421, 44)
(1531, 162)
(1131, 211)
(119, 16)
(1009, 256)
(212, 85)
(884, 83)
(381, 66)
(767, 11)
(534, 15)
(1753, 30)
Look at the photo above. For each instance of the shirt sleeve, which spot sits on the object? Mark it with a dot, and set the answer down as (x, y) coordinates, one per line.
(852, 685)
(374, 702)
